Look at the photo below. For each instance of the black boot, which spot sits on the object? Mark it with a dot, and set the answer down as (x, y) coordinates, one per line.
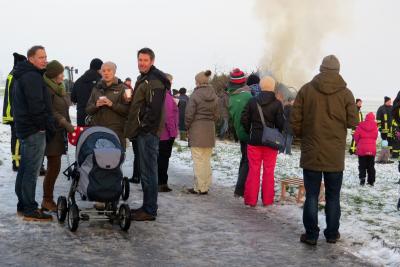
(398, 204)
(362, 181)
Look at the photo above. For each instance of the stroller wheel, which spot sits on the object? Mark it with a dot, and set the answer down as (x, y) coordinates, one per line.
(125, 188)
(73, 217)
(124, 216)
(61, 209)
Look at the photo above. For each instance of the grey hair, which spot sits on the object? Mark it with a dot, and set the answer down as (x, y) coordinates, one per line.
(111, 65)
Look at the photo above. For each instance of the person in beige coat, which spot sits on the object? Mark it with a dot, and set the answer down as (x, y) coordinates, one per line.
(56, 146)
(200, 117)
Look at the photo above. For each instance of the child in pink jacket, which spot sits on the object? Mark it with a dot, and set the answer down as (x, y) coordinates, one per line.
(365, 137)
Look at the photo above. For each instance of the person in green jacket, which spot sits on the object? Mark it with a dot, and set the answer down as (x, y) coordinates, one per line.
(239, 95)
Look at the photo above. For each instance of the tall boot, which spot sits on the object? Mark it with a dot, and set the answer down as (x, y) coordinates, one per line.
(53, 169)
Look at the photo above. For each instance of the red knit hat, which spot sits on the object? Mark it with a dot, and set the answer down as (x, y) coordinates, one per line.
(237, 76)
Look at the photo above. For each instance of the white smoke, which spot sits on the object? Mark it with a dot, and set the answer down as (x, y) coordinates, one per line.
(294, 34)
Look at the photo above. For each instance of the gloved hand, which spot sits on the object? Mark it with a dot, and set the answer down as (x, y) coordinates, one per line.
(74, 136)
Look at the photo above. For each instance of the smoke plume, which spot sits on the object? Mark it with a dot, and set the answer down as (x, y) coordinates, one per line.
(294, 34)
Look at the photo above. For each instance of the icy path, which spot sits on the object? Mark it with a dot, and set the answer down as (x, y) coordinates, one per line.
(213, 230)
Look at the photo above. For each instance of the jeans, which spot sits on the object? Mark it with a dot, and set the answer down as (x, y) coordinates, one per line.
(312, 184)
(288, 144)
(165, 150)
(32, 152)
(243, 170)
(147, 145)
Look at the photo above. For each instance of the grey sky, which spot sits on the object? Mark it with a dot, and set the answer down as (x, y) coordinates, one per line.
(190, 36)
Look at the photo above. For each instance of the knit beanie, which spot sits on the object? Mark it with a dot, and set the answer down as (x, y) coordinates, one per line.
(95, 64)
(18, 58)
(267, 84)
(253, 79)
(237, 77)
(330, 64)
(53, 69)
(203, 77)
(387, 99)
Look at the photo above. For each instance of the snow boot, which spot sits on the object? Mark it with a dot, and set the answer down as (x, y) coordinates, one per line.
(305, 240)
(398, 204)
(362, 182)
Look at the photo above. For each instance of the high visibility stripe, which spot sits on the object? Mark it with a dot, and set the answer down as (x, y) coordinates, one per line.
(16, 153)
(385, 120)
(360, 116)
(8, 118)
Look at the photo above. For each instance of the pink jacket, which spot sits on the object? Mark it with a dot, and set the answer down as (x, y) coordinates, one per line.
(365, 136)
(171, 118)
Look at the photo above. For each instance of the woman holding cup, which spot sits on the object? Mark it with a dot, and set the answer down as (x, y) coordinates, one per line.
(107, 104)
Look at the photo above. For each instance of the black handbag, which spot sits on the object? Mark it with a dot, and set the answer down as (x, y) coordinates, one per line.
(271, 137)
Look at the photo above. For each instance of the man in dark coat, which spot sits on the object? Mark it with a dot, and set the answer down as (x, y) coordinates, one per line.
(83, 88)
(145, 123)
(33, 123)
(323, 111)
(385, 120)
(352, 149)
(8, 113)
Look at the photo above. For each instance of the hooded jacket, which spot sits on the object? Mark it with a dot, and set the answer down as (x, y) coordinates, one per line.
(323, 110)
(238, 99)
(81, 92)
(273, 115)
(201, 115)
(366, 135)
(32, 104)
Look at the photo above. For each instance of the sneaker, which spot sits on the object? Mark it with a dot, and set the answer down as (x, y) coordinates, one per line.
(49, 205)
(141, 216)
(305, 240)
(42, 171)
(38, 216)
(164, 188)
(333, 240)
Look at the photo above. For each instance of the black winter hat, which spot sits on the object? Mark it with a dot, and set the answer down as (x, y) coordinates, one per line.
(95, 64)
(387, 99)
(253, 79)
(18, 58)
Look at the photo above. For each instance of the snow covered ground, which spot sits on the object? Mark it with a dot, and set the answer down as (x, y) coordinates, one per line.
(370, 224)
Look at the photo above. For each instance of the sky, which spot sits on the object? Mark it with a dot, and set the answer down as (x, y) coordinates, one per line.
(191, 36)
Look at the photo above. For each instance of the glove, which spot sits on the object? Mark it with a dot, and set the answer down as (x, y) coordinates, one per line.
(74, 136)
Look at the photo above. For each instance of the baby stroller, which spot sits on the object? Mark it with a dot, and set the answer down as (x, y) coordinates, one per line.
(96, 174)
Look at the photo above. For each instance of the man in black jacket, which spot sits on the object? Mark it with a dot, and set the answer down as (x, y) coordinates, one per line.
(33, 123)
(145, 123)
(83, 88)
(8, 113)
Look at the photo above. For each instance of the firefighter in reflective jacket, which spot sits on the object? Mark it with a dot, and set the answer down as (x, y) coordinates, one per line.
(352, 149)
(384, 119)
(8, 113)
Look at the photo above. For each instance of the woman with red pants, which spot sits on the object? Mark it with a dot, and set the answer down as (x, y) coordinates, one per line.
(258, 153)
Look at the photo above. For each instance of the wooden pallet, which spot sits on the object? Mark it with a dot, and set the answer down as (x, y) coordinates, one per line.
(299, 183)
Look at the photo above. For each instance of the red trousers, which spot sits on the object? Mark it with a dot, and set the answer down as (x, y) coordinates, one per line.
(266, 156)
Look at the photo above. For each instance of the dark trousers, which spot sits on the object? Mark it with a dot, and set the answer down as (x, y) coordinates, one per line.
(312, 184)
(136, 165)
(243, 170)
(366, 164)
(164, 153)
(15, 147)
(80, 117)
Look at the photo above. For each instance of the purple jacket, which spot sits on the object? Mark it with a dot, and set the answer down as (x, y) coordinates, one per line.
(171, 118)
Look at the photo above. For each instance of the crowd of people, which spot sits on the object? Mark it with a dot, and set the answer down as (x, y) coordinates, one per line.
(151, 116)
